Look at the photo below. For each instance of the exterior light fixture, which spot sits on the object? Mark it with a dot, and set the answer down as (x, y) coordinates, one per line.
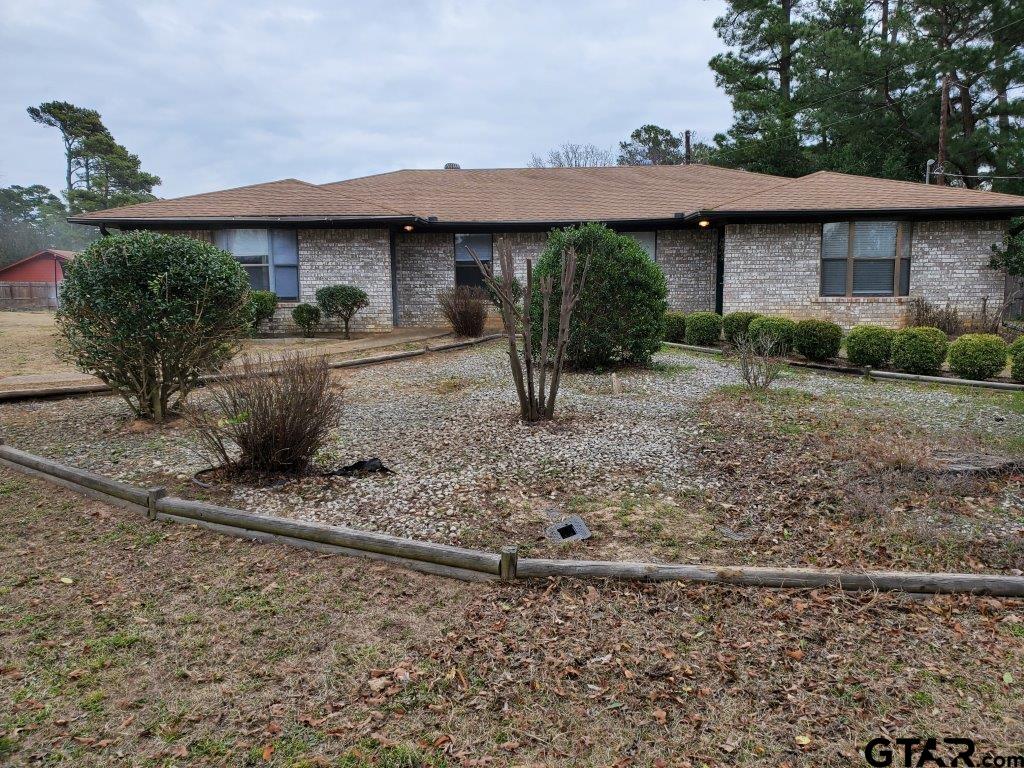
(407, 227)
(703, 223)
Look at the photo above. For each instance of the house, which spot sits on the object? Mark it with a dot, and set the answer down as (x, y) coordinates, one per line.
(849, 248)
(31, 282)
(45, 266)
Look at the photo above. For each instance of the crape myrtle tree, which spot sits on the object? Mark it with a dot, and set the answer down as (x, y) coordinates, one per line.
(536, 387)
(149, 313)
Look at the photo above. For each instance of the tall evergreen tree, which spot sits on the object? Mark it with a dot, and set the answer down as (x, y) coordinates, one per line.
(99, 172)
(876, 87)
(759, 74)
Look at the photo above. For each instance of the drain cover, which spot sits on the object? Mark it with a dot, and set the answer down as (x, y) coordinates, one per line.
(571, 529)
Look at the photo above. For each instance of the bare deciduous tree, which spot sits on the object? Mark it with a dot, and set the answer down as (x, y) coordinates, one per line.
(571, 155)
(536, 390)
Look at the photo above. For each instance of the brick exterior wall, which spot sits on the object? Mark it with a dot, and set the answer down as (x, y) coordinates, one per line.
(359, 257)
(949, 263)
(687, 257)
(775, 268)
(425, 264)
(525, 245)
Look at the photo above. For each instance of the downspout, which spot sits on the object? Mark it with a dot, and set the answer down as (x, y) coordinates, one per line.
(394, 277)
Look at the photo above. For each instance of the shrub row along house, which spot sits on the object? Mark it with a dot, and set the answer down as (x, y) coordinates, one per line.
(847, 248)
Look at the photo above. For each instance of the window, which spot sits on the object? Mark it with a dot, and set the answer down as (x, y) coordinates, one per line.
(466, 270)
(865, 258)
(647, 240)
(269, 256)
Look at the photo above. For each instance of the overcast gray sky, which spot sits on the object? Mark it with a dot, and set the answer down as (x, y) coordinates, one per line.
(218, 94)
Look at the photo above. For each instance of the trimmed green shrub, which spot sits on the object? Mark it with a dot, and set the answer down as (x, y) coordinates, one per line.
(149, 313)
(307, 317)
(1016, 347)
(704, 329)
(869, 346)
(920, 350)
(1017, 366)
(817, 339)
(735, 324)
(978, 356)
(675, 327)
(620, 315)
(341, 301)
(262, 305)
(781, 329)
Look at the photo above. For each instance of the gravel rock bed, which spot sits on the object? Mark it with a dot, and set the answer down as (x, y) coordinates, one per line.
(463, 469)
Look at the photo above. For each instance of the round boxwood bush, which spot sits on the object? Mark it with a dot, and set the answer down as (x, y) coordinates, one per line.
(703, 329)
(1016, 347)
(735, 324)
(675, 327)
(148, 314)
(262, 305)
(869, 346)
(817, 339)
(1017, 366)
(978, 356)
(620, 315)
(779, 329)
(920, 350)
(307, 317)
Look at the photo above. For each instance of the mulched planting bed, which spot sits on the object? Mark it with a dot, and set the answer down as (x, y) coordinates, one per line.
(126, 642)
(683, 466)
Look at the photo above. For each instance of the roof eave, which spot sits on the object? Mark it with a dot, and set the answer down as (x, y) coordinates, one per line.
(817, 214)
(199, 222)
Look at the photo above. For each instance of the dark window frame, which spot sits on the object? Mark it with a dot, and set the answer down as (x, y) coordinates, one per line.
(478, 280)
(269, 262)
(903, 243)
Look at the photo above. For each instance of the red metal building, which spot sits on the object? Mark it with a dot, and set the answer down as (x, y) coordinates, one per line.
(45, 266)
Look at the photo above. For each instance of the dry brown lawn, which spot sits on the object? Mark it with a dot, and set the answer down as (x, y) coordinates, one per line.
(28, 344)
(28, 347)
(125, 642)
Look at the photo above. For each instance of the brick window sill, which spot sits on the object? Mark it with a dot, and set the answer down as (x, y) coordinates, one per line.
(861, 299)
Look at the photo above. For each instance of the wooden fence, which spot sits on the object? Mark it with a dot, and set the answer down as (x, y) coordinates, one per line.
(476, 565)
(28, 295)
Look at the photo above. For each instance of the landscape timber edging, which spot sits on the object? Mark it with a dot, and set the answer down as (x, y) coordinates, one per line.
(476, 565)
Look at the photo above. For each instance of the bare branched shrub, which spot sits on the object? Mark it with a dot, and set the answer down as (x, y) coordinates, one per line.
(465, 307)
(948, 318)
(272, 418)
(535, 389)
(759, 359)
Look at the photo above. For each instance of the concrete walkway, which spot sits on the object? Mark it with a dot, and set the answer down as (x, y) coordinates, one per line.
(333, 348)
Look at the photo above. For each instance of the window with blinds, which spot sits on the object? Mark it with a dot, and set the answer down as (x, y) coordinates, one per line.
(865, 258)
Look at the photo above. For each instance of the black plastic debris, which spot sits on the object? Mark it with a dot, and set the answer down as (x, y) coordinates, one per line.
(363, 467)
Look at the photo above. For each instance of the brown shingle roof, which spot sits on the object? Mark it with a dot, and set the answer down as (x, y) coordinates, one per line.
(830, 191)
(555, 195)
(521, 195)
(274, 199)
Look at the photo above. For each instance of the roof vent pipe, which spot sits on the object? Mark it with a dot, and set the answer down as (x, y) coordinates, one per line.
(452, 167)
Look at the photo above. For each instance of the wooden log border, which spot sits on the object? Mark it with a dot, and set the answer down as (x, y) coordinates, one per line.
(38, 393)
(475, 565)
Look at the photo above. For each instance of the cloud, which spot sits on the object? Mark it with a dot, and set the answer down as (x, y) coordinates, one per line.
(213, 95)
